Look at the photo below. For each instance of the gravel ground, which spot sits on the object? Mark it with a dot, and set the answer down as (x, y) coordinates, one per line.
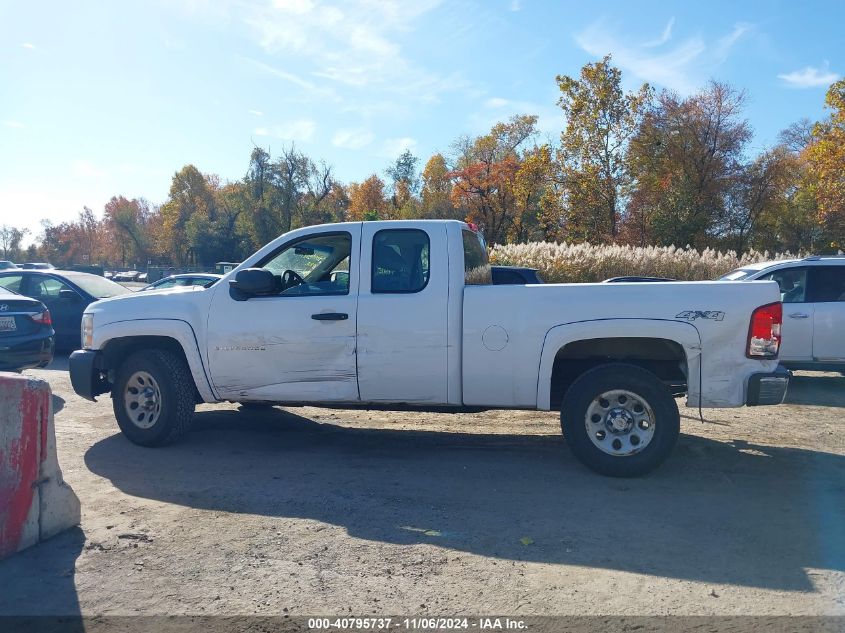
(308, 511)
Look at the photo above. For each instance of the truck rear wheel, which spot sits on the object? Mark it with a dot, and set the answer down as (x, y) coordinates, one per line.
(620, 420)
(153, 397)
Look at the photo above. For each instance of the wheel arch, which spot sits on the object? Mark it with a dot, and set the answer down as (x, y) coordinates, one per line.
(660, 346)
(117, 341)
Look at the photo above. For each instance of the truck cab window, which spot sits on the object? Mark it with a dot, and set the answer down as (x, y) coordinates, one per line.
(315, 265)
(400, 261)
(476, 266)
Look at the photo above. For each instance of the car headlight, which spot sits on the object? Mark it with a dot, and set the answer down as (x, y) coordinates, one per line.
(87, 331)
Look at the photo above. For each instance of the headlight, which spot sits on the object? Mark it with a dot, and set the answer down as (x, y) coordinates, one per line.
(87, 331)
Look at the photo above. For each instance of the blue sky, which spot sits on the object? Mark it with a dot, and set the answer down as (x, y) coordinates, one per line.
(106, 98)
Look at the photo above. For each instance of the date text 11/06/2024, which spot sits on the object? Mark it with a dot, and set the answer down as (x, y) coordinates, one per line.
(414, 624)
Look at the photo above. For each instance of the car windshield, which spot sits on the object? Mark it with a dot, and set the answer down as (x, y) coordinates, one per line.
(737, 275)
(98, 287)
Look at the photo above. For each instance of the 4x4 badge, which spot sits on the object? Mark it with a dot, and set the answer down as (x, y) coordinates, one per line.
(692, 315)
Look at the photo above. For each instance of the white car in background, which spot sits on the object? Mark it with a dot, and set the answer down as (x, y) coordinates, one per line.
(813, 293)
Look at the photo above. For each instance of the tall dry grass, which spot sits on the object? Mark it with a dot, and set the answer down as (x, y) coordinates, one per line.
(568, 263)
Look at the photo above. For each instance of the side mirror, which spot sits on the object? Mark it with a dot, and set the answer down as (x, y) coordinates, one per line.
(253, 282)
(67, 293)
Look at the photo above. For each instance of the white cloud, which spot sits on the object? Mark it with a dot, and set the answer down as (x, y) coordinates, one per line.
(28, 45)
(516, 5)
(14, 124)
(682, 67)
(394, 147)
(256, 112)
(294, 6)
(810, 77)
(665, 36)
(298, 130)
(496, 102)
(358, 44)
(86, 169)
(287, 76)
(726, 43)
(353, 138)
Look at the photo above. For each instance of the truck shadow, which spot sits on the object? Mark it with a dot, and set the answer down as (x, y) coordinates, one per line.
(816, 389)
(716, 511)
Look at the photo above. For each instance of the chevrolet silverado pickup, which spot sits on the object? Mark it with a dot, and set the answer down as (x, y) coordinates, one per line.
(404, 314)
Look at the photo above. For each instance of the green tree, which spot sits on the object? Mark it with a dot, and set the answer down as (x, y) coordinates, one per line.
(435, 197)
(826, 155)
(601, 119)
(10, 241)
(686, 159)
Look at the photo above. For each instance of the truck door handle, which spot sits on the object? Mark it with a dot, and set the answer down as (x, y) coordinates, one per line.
(799, 315)
(330, 316)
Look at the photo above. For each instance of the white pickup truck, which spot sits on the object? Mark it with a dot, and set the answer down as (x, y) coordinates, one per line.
(403, 313)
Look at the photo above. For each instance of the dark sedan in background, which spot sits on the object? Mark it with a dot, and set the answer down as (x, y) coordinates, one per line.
(65, 293)
(509, 275)
(26, 333)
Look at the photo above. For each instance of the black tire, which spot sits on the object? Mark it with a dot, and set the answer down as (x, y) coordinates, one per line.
(175, 388)
(588, 388)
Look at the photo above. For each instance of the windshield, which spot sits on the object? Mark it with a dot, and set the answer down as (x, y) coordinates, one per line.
(98, 287)
(736, 275)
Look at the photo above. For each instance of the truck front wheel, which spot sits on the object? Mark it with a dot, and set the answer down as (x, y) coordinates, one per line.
(153, 397)
(620, 420)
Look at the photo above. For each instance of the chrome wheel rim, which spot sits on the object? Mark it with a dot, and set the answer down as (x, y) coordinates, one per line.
(620, 423)
(142, 400)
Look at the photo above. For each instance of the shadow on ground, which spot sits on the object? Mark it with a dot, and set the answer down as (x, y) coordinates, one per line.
(716, 512)
(44, 575)
(815, 389)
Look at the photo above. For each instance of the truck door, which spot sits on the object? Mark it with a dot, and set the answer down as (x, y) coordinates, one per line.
(297, 345)
(402, 313)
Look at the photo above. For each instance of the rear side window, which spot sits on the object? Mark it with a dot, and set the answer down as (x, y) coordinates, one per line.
(827, 284)
(792, 282)
(401, 261)
(46, 288)
(476, 266)
(11, 282)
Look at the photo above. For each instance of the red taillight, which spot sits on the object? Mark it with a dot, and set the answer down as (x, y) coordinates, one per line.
(42, 318)
(764, 331)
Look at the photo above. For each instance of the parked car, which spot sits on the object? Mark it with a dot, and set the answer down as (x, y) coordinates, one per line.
(6, 265)
(129, 275)
(416, 321)
(813, 293)
(188, 279)
(504, 275)
(37, 266)
(65, 293)
(26, 332)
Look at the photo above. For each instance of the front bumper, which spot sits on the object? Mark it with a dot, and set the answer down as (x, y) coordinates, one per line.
(767, 388)
(86, 374)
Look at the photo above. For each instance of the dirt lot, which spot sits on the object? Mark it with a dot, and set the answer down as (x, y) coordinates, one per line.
(317, 511)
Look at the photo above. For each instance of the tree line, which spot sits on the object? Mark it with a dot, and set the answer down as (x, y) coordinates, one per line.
(643, 167)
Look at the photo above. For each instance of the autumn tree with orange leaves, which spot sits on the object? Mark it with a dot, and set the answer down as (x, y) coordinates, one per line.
(826, 154)
(485, 178)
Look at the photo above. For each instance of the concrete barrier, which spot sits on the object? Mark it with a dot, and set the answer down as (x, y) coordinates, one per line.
(35, 502)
